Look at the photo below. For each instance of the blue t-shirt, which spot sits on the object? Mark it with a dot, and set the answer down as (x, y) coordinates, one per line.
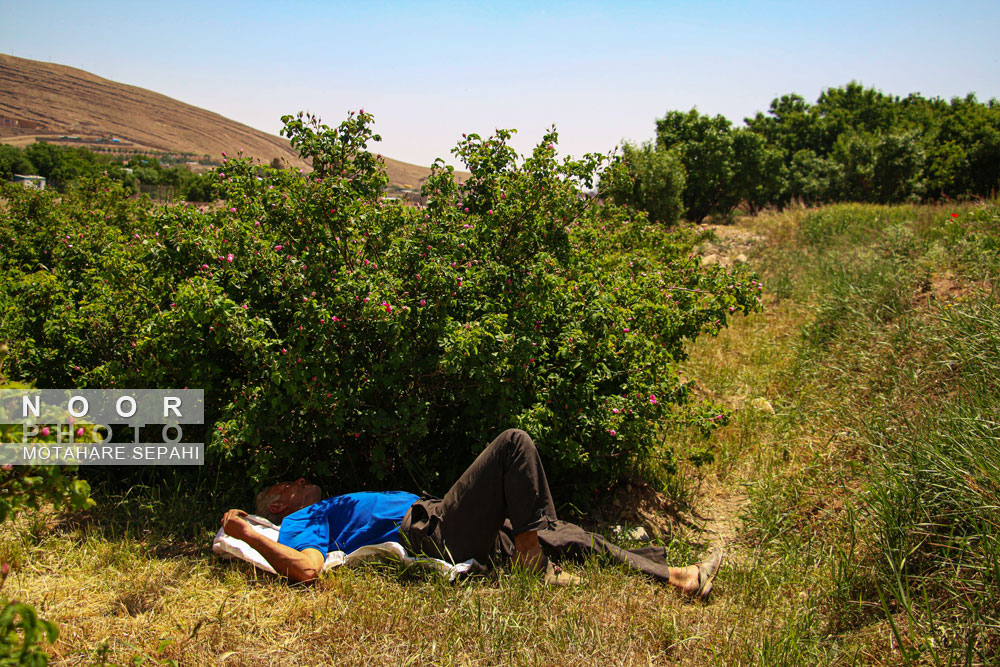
(347, 522)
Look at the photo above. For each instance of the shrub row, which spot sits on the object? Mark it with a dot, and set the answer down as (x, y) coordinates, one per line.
(367, 342)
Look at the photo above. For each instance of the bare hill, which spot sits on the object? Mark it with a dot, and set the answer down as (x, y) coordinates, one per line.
(68, 105)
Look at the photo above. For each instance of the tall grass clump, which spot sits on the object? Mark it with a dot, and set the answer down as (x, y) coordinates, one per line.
(934, 495)
(859, 267)
(904, 327)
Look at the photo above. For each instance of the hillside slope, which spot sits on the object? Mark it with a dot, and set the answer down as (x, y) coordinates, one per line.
(48, 101)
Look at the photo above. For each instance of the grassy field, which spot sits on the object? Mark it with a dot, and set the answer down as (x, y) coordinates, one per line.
(856, 488)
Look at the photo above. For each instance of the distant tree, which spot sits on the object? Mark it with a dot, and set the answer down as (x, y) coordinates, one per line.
(882, 168)
(647, 179)
(899, 167)
(64, 165)
(14, 161)
(119, 172)
(175, 177)
(759, 170)
(854, 154)
(947, 171)
(854, 108)
(45, 156)
(200, 188)
(860, 144)
(791, 124)
(147, 170)
(975, 127)
(808, 178)
(705, 147)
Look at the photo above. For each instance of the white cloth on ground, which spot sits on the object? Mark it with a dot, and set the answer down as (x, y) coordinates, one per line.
(231, 547)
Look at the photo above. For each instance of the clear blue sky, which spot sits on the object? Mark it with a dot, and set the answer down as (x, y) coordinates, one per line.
(601, 72)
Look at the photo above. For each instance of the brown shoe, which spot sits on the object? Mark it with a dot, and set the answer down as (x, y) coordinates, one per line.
(707, 569)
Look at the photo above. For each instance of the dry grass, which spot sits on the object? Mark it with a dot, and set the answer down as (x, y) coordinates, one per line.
(115, 593)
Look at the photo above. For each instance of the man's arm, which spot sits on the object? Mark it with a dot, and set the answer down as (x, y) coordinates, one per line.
(304, 565)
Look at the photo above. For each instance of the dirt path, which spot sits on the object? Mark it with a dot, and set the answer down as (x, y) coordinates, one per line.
(719, 503)
(716, 505)
(717, 512)
(731, 244)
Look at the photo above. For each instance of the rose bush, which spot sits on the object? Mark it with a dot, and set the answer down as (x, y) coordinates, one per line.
(372, 343)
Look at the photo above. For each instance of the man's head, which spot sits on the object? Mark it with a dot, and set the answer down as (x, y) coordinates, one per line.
(276, 502)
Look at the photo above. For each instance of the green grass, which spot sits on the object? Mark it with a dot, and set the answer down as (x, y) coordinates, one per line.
(873, 488)
(861, 512)
(935, 495)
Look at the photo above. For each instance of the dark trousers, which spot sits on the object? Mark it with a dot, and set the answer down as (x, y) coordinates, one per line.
(502, 494)
(565, 540)
(506, 482)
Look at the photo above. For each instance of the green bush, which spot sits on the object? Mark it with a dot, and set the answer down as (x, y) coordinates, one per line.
(21, 631)
(23, 487)
(648, 180)
(371, 343)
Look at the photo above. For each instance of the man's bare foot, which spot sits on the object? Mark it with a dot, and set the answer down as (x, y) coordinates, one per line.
(555, 576)
(528, 552)
(687, 579)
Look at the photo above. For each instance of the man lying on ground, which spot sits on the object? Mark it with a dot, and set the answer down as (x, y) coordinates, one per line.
(502, 500)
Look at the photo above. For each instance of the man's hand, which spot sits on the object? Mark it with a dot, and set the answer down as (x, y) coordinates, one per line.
(235, 525)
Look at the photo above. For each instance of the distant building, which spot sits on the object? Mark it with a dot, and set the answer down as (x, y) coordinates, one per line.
(30, 181)
(20, 123)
